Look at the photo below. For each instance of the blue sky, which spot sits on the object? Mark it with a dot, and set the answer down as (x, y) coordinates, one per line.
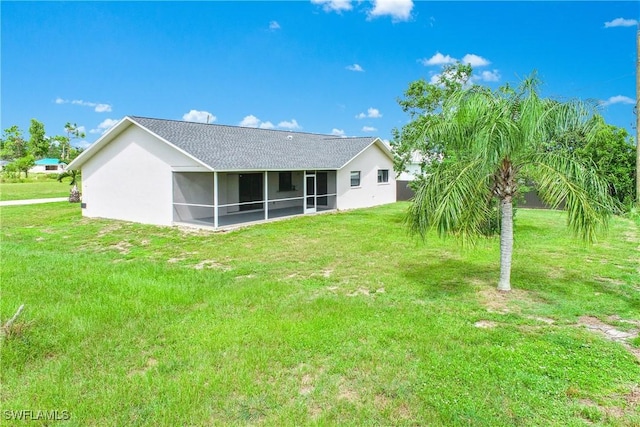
(315, 66)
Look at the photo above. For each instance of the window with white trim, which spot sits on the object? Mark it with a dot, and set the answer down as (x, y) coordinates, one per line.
(355, 178)
(383, 175)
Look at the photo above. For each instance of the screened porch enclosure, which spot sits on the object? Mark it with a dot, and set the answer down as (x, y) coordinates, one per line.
(221, 199)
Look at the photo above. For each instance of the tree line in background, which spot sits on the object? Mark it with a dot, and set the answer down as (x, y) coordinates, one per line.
(22, 153)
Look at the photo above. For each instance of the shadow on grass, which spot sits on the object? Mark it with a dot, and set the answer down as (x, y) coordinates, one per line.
(448, 278)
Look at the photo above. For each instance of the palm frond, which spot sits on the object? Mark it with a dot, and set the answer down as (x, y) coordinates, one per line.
(563, 179)
(453, 199)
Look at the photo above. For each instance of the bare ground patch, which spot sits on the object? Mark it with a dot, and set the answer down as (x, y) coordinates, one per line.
(151, 363)
(211, 264)
(347, 392)
(611, 333)
(109, 228)
(631, 403)
(496, 301)
(122, 247)
(485, 324)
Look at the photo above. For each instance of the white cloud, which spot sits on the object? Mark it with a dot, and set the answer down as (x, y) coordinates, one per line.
(355, 67)
(103, 108)
(469, 58)
(337, 132)
(399, 10)
(293, 124)
(368, 129)
(199, 116)
(487, 76)
(81, 129)
(621, 22)
(250, 121)
(438, 59)
(104, 126)
(97, 106)
(372, 113)
(435, 79)
(81, 144)
(273, 25)
(474, 60)
(618, 99)
(334, 5)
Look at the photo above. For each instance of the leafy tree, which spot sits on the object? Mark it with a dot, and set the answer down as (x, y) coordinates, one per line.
(24, 163)
(38, 142)
(74, 193)
(422, 100)
(12, 144)
(65, 142)
(489, 140)
(610, 152)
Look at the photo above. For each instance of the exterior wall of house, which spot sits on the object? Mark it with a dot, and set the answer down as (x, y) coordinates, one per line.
(47, 169)
(131, 179)
(369, 192)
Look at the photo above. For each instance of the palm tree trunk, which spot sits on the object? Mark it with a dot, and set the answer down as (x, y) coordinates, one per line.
(506, 244)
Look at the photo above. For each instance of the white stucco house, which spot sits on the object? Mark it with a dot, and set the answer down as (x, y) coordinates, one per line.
(169, 172)
(48, 166)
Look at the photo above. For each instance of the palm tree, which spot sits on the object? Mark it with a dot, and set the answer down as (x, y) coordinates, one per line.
(74, 194)
(491, 140)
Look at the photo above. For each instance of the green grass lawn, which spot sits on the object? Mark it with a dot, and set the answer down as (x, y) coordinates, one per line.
(335, 319)
(40, 189)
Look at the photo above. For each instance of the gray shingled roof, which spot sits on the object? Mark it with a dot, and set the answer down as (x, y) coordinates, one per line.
(239, 148)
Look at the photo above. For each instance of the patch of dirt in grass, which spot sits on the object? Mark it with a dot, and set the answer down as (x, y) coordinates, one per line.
(608, 280)
(122, 247)
(306, 386)
(211, 264)
(485, 324)
(496, 301)
(308, 377)
(611, 333)
(174, 260)
(631, 403)
(314, 411)
(381, 401)
(359, 291)
(151, 363)
(546, 320)
(348, 393)
(630, 235)
(197, 231)
(110, 228)
(403, 412)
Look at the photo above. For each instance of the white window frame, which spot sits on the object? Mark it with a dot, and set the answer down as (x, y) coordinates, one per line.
(359, 179)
